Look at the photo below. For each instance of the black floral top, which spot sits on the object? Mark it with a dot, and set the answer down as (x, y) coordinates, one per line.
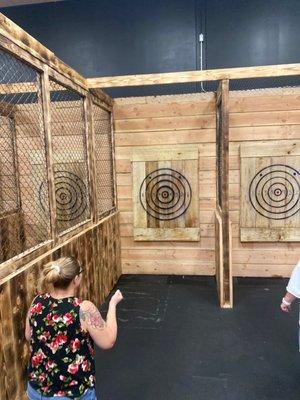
(62, 353)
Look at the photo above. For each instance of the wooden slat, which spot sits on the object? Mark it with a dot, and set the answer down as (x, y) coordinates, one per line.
(176, 234)
(265, 149)
(90, 140)
(45, 92)
(169, 267)
(270, 234)
(195, 76)
(180, 107)
(156, 110)
(169, 254)
(160, 153)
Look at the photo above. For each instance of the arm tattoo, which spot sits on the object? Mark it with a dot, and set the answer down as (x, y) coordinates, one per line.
(92, 317)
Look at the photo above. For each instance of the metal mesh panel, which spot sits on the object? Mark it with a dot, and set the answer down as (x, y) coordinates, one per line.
(23, 222)
(69, 157)
(103, 159)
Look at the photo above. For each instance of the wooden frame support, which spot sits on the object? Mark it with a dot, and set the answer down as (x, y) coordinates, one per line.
(195, 76)
(223, 234)
(45, 96)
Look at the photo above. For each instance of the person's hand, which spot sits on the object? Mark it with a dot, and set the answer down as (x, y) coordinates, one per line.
(116, 298)
(285, 307)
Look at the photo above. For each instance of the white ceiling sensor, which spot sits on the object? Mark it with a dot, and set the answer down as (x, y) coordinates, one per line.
(12, 3)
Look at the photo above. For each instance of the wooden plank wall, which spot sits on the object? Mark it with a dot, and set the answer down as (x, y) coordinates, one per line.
(166, 120)
(98, 249)
(255, 116)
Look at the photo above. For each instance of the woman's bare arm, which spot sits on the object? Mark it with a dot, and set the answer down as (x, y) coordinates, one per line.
(27, 328)
(104, 333)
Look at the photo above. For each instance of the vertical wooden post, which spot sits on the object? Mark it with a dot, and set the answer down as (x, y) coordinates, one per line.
(113, 154)
(45, 95)
(222, 169)
(88, 117)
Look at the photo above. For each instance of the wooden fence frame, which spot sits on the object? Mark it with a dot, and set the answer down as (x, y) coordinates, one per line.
(16, 41)
(24, 47)
(223, 249)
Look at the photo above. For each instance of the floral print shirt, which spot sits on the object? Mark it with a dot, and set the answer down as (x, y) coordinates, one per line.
(62, 353)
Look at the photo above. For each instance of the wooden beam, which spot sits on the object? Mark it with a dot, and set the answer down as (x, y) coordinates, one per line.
(45, 99)
(223, 262)
(105, 98)
(195, 76)
(90, 138)
(12, 88)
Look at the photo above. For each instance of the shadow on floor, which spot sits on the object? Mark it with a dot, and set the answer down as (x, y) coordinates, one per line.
(176, 344)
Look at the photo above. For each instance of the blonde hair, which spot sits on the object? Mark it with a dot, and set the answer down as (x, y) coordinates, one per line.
(60, 272)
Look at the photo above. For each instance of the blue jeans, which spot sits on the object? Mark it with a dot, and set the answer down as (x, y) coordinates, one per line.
(34, 395)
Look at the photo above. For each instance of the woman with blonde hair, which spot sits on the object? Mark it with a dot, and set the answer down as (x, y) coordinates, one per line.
(62, 330)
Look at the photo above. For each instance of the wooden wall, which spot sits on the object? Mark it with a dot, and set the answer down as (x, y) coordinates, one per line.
(98, 249)
(255, 116)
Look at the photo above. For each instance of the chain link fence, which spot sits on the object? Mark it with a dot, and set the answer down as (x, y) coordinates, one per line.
(69, 141)
(103, 159)
(23, 222)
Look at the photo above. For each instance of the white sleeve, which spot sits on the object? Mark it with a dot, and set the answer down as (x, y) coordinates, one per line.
(293, 286)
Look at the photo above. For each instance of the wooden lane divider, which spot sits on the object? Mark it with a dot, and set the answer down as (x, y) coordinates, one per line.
(195, 76)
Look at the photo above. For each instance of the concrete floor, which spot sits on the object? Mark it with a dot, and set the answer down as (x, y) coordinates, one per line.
(176, 344)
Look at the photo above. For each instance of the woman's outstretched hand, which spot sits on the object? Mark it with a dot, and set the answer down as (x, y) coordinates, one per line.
(116, 298)
(285, 307)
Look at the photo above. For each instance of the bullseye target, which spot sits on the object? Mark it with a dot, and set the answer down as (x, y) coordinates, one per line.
(70, 193)
(165, 194)
(274, 191)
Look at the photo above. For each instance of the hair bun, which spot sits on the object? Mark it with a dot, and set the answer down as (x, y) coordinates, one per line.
(56, 267)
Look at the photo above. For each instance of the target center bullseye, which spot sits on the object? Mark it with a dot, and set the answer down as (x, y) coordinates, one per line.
(277, 192)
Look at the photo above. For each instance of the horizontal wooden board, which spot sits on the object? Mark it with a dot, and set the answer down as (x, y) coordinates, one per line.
(236, 134)
(262, 118)
(171, 254)
(263, 270)
(129, 243)
(195, 76)
(164, 153)
(170, 109)
(147, 138)
(236, 105)
(270, 234)
(168, 267)
(176, 234)
(261, 256)
(205, 164)
(267, 149)
(165, 123)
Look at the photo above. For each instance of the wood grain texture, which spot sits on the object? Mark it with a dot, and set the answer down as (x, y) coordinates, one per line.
(222, 195)
(172, 173)
(195, 76)
(98, 249)
(270, 192)
(253, 119)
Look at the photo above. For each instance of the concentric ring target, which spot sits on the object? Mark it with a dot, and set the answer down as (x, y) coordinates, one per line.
(274, 191)
(165, 194)
(70, 194)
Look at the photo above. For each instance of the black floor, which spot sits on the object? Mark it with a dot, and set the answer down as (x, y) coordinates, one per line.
(175, 343)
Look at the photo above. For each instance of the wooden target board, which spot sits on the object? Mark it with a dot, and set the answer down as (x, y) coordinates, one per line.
(270, 192)
(165, 194)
